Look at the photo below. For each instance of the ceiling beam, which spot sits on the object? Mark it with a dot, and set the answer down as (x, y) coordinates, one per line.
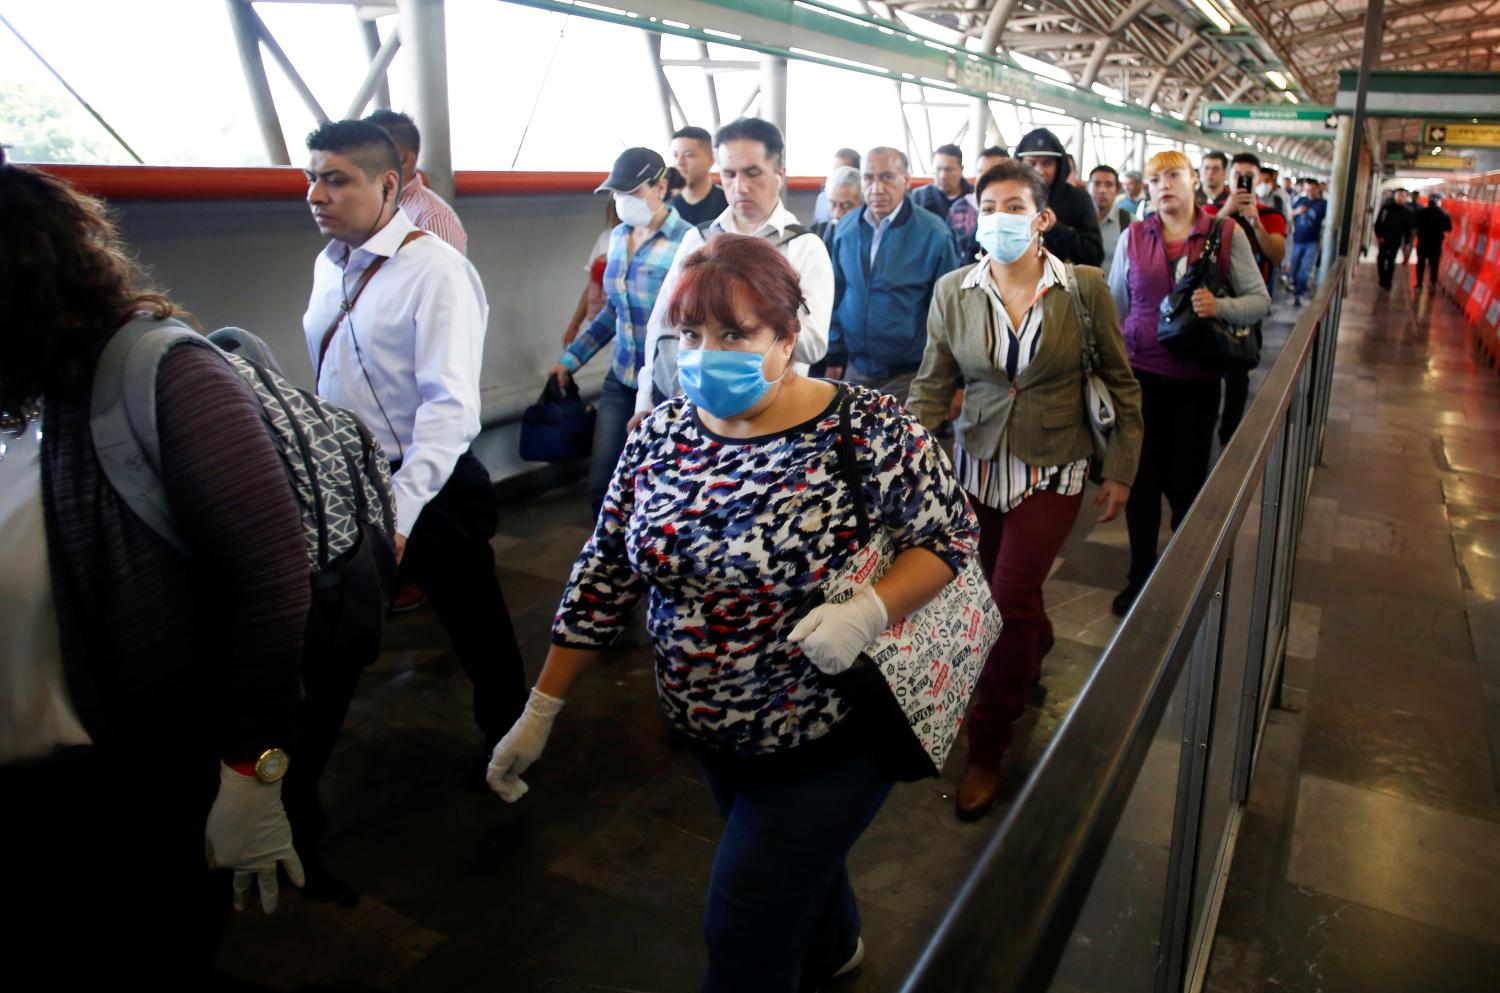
(1357, 22)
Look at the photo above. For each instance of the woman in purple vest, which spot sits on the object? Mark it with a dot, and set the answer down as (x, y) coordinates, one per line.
(1179, 397)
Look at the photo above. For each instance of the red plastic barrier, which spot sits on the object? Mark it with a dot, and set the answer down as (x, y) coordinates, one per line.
(285, 183)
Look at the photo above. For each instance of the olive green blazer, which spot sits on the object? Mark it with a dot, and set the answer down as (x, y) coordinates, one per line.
(1042, 413)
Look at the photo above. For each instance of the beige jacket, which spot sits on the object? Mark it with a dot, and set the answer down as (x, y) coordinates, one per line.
(1042, 412)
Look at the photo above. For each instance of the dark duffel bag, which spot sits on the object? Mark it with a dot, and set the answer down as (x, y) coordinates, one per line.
(559, 427)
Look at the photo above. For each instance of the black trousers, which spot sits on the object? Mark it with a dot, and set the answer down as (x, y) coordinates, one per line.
(1179, 417)
(1428, 260)
(448, 554)
(107, 885)
(1385, 261)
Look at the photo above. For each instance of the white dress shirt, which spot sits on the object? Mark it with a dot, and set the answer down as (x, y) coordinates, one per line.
(414, 340)
(807, 255)
(36, 712)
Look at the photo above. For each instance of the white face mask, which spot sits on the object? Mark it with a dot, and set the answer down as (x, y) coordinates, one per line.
(633, 210)
(1263, 190)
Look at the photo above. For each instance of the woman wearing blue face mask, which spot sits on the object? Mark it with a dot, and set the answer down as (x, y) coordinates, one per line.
(1009, 325)
(728, 508)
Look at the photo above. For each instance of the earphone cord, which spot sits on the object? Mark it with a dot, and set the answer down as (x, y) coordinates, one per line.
(349, 316)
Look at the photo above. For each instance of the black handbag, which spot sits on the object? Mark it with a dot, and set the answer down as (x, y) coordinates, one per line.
(559, 427)
(1210, 340)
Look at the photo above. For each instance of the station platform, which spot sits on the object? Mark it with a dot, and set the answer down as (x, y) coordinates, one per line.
(1368, 859)
(1369, 855)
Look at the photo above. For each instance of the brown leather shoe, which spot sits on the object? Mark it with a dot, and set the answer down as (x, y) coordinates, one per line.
(976, 791)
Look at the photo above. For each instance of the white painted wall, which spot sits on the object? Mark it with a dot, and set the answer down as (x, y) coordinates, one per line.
(250, 264)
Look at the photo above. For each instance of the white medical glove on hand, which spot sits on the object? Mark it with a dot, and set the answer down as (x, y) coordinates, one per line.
(833, 635)
(248, 832)
(521, 746)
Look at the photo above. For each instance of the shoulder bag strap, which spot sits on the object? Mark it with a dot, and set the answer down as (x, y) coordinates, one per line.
(1085, 323)
(353, 298)
(849, 468)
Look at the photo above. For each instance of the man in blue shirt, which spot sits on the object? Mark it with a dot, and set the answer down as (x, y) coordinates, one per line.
(641, 250)
(1308, 212)
(886, 257)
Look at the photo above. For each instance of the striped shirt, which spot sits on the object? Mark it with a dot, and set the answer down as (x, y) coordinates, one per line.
(1002, 483)
(631, 285)
(432, 214)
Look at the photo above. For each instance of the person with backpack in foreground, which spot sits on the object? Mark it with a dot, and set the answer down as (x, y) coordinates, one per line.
(395, 331)
(146, 695)
(1014, 327)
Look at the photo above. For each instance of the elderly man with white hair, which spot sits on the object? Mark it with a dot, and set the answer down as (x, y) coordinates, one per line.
(842, 194)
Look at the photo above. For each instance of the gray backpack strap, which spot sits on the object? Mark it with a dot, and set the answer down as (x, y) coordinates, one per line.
(122, 419)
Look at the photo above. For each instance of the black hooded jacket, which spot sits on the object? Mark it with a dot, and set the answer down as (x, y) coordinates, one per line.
(1075, 237)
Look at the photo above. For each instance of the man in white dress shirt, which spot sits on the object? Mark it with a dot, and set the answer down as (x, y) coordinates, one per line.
(401, 349)
(751, 157)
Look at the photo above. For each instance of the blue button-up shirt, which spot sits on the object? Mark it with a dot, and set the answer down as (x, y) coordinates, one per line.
(881, 228)
(631, 284)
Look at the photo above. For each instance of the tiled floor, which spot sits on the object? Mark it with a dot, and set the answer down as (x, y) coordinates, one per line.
(594, 881)
(1369, 857)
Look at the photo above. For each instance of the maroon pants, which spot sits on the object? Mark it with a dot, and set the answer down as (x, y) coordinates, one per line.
(1016, 550)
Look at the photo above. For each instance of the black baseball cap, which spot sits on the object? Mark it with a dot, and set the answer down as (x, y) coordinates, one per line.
(634, 167)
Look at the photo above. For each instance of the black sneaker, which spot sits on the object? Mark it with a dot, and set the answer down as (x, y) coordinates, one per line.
(1125, 600)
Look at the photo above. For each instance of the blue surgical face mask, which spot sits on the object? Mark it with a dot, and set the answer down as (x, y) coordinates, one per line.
(725, 384)
(1004, 237)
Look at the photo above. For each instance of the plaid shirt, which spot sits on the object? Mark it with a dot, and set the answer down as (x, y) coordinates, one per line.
(630, 286)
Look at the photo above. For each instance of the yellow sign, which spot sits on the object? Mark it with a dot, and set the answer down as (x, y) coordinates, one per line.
(1463, 135)
(1444, 162)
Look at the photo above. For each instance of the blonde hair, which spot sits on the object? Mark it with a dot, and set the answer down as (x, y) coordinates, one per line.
(1170, 159)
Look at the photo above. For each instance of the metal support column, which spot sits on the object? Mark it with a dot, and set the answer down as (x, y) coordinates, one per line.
(1140, 153)
(371, 34)
(247, 40)
(710, 84)
(424, 35)
(1349, 163)
(1338, 184)
(652, 41)
(375, 77)
(773, 91)
(989, 41)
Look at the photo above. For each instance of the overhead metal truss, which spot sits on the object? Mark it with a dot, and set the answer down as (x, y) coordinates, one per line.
(1151, 52)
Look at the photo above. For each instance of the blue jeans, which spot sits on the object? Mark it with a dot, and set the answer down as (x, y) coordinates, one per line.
(780, 911)
(616, 408)
(1304, 257)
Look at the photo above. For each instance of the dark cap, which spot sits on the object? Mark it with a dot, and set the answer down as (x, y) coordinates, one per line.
(1040, 142)
(634, 167)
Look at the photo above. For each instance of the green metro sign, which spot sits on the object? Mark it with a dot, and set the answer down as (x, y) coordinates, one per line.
(1302, 121)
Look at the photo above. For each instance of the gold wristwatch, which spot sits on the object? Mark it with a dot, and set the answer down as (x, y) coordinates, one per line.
(272, 765)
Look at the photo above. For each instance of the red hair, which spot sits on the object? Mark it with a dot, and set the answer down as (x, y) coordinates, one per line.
(736, 276)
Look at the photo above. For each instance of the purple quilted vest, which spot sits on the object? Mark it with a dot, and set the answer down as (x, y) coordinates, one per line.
(1150, 282)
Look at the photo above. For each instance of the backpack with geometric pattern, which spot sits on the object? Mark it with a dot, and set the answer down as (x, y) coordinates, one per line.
(337, 471)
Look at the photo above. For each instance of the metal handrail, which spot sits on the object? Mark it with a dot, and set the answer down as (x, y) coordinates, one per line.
(1011, 918)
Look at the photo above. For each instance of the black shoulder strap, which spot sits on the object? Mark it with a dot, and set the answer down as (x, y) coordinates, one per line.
(849, 467)
(791, 233)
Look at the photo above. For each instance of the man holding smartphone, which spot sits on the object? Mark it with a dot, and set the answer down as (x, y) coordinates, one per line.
(1265, 226)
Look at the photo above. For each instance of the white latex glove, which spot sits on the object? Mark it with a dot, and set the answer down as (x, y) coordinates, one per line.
(833, 635)
(248, 832)
(521, 746)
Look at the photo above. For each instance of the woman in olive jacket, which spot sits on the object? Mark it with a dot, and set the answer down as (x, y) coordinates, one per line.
(1009, 327)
